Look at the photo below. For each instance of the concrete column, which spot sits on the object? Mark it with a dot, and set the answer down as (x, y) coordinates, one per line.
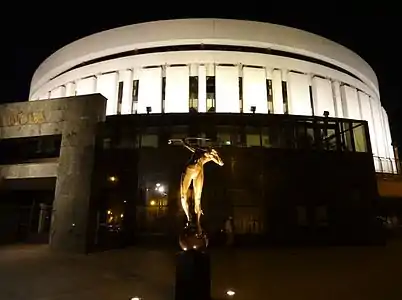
(43, 212)
(71, 208)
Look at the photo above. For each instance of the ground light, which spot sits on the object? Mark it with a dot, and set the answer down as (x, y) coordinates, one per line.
(230, 293)
(136, 298)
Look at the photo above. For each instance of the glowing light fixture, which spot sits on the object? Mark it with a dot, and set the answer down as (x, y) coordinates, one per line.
(153, 202)
(113, 178)
(109, 212)
(230, 293)
(161, 189)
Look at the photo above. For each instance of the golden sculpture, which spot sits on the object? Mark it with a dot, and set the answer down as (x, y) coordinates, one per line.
(194, 173)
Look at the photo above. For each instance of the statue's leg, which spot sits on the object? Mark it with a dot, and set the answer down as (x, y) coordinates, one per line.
(198, 184)
(184, 185)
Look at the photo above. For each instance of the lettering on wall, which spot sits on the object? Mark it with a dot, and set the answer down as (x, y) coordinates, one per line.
(23, 118)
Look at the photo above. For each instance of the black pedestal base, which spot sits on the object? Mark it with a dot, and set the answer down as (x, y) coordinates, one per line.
(193, 276)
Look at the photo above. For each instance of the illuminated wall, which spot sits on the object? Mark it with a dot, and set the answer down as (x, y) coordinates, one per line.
(227, 89)
(315, 74)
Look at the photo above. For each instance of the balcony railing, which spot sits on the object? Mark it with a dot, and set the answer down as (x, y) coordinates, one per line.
(387, 165)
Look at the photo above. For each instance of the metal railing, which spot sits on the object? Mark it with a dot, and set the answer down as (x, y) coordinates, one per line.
(387, 165)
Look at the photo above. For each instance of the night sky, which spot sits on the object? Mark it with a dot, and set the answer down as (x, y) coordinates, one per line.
(372, 32)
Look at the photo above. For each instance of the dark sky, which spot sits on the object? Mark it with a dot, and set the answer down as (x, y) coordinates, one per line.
(372, 32)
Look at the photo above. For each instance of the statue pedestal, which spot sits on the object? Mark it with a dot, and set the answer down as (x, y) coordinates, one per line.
(193, 276)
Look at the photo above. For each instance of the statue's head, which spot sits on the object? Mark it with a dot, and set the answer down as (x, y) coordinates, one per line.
(213, 155)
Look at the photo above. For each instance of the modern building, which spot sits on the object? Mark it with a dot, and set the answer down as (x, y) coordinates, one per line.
(297, 118)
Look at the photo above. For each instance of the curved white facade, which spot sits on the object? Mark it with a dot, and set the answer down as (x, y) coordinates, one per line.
(223, 65)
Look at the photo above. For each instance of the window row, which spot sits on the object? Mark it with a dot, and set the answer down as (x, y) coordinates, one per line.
(313, 135)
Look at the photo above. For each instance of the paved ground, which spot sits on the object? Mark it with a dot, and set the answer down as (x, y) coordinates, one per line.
(32, 272)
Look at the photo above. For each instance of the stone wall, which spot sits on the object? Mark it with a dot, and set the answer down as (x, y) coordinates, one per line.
(76, 119)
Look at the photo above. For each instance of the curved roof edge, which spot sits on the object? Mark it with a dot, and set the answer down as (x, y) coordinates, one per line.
(185, 31)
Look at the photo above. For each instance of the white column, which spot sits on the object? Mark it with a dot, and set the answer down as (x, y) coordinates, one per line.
(352, 102)
(86, 86)
(336, 94)
(177, 89)
(70, 89)
(150, 90)
(368, 116)
(255, 90)
(322, 96)
(379, 132)
(299, 94)
(126, 104)
(227, 89)
(107, 86)
(58, 92)
(277, 91)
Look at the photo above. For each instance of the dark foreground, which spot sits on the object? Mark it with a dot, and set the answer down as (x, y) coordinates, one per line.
(32, 272)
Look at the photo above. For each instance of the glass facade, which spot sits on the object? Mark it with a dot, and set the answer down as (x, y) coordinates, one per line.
(257, 149)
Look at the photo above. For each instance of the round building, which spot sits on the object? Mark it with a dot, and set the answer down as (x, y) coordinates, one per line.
(296, 119)
(220, 66)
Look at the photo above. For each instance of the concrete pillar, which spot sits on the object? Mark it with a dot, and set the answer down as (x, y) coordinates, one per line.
(71, 208)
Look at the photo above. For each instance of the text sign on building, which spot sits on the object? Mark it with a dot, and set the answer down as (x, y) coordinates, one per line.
(22, 118)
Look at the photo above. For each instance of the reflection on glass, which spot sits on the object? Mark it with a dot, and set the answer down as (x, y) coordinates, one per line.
(359, 137)
(193, 94)
(211, 93)
(152, 215)
(149, 140)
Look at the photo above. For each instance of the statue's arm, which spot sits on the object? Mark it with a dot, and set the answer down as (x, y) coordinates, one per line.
(186, 145)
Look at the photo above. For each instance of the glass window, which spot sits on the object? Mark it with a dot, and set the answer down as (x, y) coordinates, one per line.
(163, 92)
(134, 96)
(270, 97)
(253, 140)
(152, 213)
(227, 136)
(359, 135)
(193, 94)
(149, 140)
(265, 140)
(247, 220)
(310, 90)
(346, 136)
(285, 97)
(241, 93)
(179, 132)
(120, 96)
(253, 137)
(211, 93)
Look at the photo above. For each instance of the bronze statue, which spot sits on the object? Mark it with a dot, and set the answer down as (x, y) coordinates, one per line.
(194, 173)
